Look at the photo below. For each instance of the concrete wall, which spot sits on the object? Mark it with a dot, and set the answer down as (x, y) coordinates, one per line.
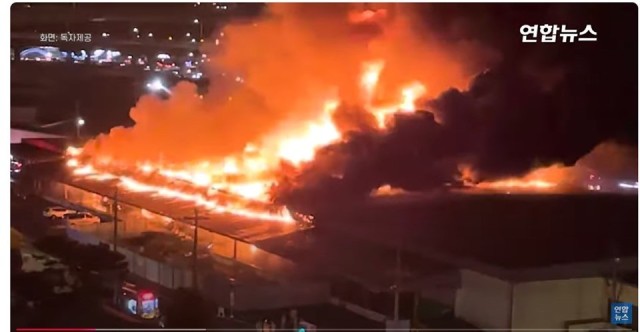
(483, 301)
(550, 304)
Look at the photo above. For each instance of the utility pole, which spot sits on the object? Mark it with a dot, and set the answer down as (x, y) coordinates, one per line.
(616, 287)
(196, 223)
(396, 294)
(114, 207)
(195, 247)
(78, 125)
(115, 219)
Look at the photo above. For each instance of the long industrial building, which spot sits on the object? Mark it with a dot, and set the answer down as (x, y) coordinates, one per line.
(526, 253)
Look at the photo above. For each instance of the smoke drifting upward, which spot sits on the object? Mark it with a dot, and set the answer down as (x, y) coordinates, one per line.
(293, 59)
(329, 102)
(542, 105)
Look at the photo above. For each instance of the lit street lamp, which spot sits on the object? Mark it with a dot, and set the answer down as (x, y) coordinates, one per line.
(196, 21)
(157, 85)
(79, 123)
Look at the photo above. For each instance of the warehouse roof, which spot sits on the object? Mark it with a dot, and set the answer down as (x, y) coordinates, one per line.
(508, 231)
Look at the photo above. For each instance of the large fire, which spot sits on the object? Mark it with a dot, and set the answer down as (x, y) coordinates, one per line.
(539, 180)
(249, 175)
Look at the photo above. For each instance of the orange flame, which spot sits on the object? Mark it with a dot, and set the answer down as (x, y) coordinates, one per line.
(251, 173)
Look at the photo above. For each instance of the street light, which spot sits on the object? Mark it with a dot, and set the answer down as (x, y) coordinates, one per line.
(150, 34)
(196, 21)
(135, 30)
(79, 124)
(157, 85)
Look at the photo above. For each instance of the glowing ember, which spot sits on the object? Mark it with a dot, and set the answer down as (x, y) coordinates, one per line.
(541, 179)
(517, 184)
(387, 190)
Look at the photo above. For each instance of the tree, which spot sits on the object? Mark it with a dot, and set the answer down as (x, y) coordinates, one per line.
(187, 310)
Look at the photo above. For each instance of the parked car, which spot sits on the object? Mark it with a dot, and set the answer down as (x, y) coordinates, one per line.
(57, 212)
(81, 218)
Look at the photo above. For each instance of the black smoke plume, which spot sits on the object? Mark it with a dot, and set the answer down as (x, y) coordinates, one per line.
(542, 104)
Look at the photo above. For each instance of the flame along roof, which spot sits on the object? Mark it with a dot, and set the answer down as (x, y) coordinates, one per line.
(233, 226)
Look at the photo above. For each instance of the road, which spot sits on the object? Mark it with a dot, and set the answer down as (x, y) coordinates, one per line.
(26, 217)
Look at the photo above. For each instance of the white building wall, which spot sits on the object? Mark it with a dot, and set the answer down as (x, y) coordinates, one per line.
(483, 301)
(549, 304)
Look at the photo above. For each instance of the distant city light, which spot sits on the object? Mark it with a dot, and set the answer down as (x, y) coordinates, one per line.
(135, 30)
(80, 122)
(204, 55)
(150, 34)
(202, 40)
(193, 40)
(137, 36)
(188, 34)
(217, 42)
(170, 38)
(190, 54)
(196, 21)
(104, 34)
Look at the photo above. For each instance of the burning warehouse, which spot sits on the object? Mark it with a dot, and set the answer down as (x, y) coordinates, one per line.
(340, 114)
(333, 103)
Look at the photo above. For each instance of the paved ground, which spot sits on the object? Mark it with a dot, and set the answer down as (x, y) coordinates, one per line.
(324, 316)
(26, 217)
